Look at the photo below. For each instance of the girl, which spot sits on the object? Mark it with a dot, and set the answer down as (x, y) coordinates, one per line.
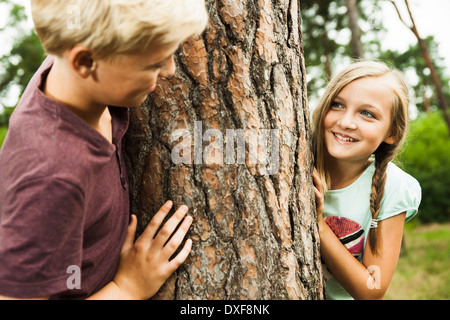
(362, 198)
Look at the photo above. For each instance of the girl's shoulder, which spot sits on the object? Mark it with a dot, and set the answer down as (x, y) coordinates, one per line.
(402, 192)
(398, 178)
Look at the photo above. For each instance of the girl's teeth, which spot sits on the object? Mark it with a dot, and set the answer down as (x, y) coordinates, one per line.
(347, 139)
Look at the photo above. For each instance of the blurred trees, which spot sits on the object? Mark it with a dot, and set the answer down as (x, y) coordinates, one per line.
(427, 158)
(331, 40)
(17, 66)
(427, 59)
(334, 33)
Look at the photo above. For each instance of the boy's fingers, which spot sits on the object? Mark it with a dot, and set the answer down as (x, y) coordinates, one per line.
(129, 239)
(155, 223)
(181, 256)
(170, 226)
(177, 238)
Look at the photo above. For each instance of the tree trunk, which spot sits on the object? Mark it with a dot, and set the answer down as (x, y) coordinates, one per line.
(228, 135)
(353, 18)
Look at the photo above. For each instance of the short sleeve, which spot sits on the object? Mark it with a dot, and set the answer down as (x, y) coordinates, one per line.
(402, 194)
(40, 237)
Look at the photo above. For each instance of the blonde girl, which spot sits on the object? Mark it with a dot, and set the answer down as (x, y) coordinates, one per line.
(362, 198)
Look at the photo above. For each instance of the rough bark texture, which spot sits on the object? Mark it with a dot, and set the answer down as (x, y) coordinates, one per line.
(254, 233)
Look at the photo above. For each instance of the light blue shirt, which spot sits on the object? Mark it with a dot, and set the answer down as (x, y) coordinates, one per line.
(347, 212)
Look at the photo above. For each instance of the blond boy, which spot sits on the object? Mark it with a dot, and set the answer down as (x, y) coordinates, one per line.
(64, 206)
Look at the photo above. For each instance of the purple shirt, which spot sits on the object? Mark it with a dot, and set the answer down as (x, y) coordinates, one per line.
(63, 199)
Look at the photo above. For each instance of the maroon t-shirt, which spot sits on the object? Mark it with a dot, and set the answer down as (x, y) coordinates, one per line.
(64, 200)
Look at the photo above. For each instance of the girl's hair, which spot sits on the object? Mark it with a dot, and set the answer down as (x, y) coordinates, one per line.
(385, 152)
(116, 27)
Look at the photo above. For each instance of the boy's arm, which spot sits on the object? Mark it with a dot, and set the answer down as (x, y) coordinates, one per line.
(10, 298)
(144, 265)
(41, 224)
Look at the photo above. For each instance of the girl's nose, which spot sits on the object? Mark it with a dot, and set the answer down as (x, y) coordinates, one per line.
(347, 121)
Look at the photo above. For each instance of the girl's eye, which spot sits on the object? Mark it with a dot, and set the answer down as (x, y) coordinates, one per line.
(367, 114)
(336, 105)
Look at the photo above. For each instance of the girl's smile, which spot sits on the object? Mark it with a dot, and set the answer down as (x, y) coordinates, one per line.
(343, 138)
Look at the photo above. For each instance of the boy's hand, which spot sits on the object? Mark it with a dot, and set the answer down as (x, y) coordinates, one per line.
(144, 265)
(318, 191)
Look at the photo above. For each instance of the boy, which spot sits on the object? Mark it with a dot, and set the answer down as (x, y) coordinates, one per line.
(64, 203)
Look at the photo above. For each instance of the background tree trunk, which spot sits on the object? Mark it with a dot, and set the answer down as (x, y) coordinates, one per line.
(254, 233)
(353, 18)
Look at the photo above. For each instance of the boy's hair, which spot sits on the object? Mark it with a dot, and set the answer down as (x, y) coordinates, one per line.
(116, 27)
(385, 152)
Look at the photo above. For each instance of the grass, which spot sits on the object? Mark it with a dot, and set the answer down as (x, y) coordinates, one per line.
(423, 268)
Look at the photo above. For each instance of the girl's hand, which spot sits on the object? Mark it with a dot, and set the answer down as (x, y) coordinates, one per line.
(318, 191)
(144, 265)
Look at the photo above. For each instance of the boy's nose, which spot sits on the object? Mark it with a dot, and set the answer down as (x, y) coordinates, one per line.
(169, 69)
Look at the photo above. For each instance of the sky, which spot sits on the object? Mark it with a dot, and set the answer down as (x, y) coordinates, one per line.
(431, 17)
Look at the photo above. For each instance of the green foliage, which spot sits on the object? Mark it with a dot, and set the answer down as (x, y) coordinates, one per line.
(427, 158)
(19, 66)
(26, 55)
(4, 117)
(3, 131)
(16, 15)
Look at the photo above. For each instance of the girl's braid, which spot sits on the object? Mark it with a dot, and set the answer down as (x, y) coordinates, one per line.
(383, 155)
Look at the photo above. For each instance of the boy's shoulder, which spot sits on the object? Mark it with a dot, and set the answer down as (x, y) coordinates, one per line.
(42, 151)
(45, 138)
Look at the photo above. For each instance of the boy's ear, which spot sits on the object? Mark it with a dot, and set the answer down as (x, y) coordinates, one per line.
(82, 61)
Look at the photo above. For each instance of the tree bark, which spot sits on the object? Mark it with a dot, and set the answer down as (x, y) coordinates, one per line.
(254, 233)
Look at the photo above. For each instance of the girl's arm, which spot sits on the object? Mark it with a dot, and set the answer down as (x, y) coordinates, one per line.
(371, 278)
(355, 276)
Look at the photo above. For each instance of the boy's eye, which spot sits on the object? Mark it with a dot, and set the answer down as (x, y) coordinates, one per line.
(152, 68)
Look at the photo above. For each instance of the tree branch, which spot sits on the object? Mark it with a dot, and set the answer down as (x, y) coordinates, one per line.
(399, 14)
